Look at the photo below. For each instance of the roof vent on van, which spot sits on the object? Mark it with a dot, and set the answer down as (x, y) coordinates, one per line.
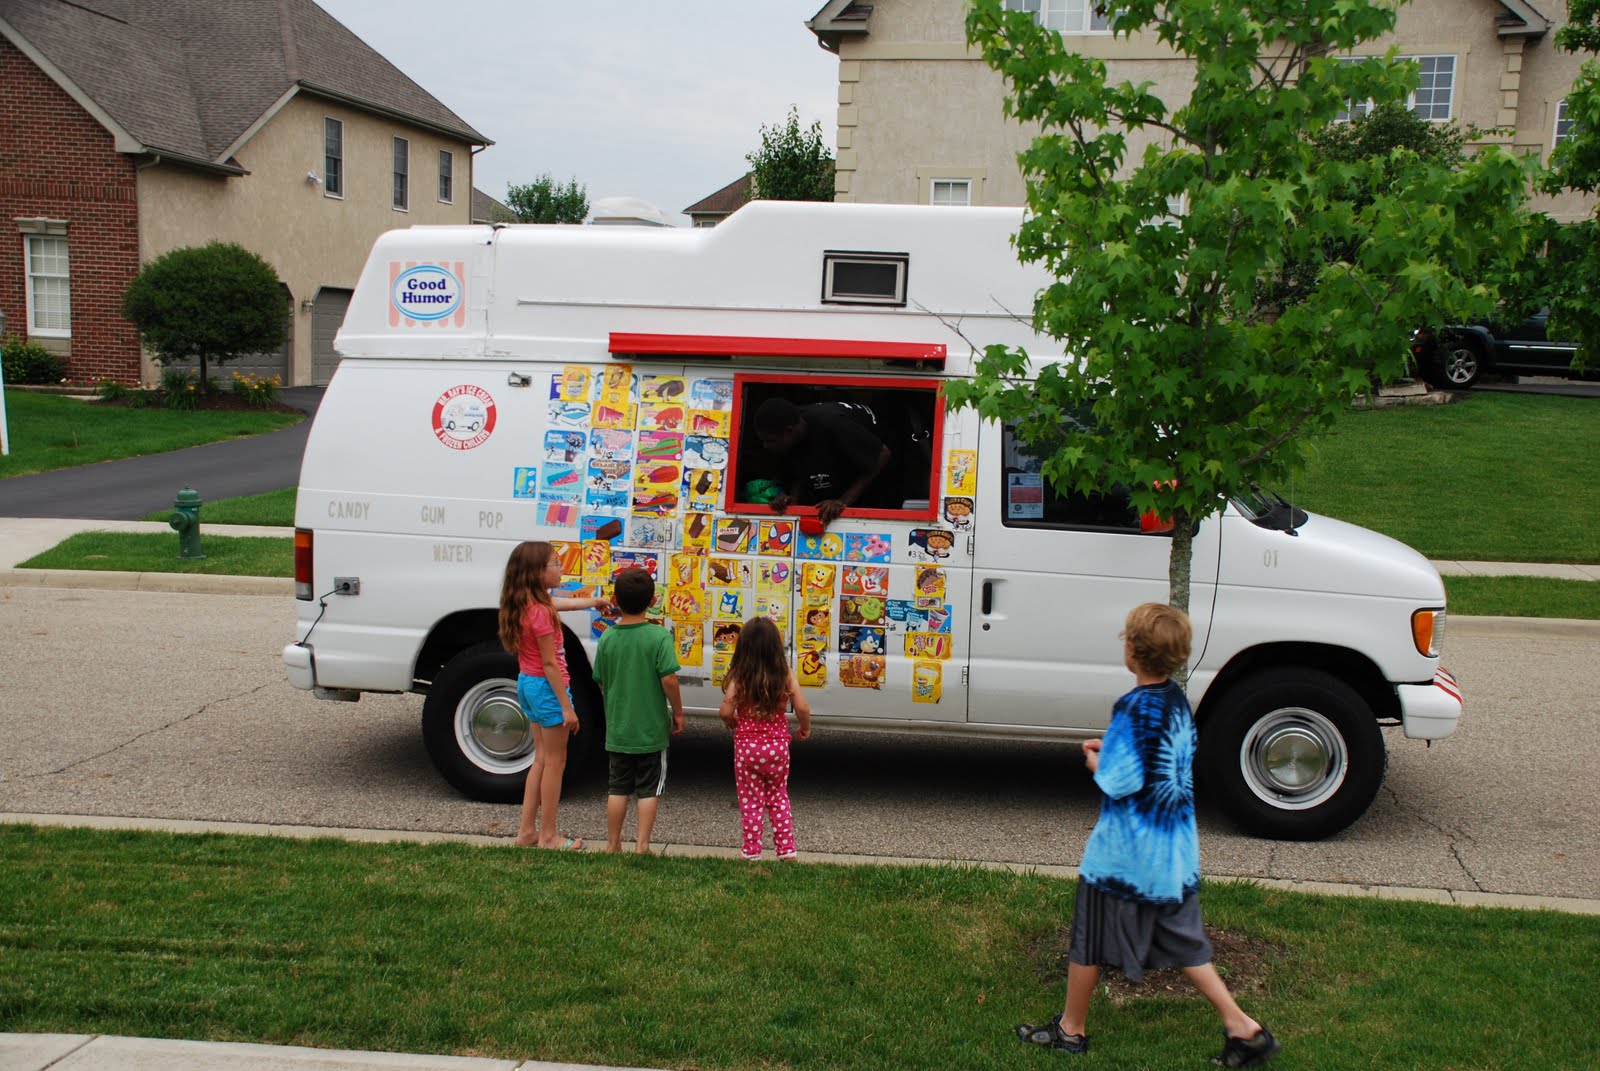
(864, 278)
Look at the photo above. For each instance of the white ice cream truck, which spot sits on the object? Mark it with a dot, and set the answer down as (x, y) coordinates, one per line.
(595, 387)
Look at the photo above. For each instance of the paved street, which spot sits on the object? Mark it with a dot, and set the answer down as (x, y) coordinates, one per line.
(184, 713)
(130, 488)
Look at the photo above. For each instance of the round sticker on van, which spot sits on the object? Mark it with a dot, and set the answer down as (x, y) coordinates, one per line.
(426, 292)
(463, 417)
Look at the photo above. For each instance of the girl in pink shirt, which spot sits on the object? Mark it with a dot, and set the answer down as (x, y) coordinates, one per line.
(530, 628)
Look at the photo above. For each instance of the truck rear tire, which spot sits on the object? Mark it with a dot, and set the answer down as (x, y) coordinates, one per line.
(1292, 754)
(476, 734)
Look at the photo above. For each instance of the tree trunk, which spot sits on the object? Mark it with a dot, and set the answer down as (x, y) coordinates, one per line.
(1181, 561)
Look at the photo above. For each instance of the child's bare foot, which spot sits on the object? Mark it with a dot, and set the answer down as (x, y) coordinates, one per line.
(613, 847)
(531, 842)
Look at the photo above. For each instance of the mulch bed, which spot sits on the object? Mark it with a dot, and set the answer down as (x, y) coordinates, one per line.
(1243, 961)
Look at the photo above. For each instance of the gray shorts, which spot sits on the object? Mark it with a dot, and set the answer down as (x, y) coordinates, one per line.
(644, 775)
(1135, 937)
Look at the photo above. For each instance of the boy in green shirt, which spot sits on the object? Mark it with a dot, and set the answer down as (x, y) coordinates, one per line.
(636, 667)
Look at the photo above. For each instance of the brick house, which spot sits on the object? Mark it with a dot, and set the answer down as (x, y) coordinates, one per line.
(920, 118)
(129, 128)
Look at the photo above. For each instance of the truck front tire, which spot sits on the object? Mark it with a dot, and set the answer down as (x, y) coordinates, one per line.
(1292, 754)
(476, 734)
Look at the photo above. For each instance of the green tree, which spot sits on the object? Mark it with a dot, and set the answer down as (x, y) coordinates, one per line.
(1573, 281)
(546, 201)
(1189, 379)
(792, 164)
(207, 303)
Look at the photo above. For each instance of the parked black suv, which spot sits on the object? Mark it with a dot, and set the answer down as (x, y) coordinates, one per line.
(1456, 356)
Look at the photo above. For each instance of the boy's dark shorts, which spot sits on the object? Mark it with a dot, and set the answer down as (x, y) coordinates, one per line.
(644, 775)
(1136, 937)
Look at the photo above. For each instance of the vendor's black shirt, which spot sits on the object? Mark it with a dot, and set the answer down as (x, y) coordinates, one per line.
(836, 452)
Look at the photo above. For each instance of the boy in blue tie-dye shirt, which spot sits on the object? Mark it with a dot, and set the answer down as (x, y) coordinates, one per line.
(1138, 905)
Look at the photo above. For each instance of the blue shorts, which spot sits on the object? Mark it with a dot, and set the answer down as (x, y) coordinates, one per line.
(538, 701)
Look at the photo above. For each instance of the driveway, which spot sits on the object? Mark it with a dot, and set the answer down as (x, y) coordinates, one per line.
(129, 489)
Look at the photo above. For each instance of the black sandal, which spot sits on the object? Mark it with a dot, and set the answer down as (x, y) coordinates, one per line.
(1247, 1052)
(1050, 1036)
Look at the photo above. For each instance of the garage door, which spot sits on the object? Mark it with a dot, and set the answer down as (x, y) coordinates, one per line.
(326, 317)
(266, 365)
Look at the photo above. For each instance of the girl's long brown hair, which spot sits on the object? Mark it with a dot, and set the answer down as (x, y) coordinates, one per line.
(758, 670)
(522, 585)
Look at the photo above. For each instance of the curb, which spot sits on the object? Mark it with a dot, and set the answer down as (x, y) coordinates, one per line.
(179, 583)
(1457, 897)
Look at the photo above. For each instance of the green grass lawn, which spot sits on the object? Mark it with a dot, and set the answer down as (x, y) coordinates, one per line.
(155, 552)
(270, 508)
(715, 964)
(1494, 477)
(1522, 596)
(56, 431)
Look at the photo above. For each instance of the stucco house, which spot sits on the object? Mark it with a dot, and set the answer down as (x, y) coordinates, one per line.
(920, 116)
(129, 128)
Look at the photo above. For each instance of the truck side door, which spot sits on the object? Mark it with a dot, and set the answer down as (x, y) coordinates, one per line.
(1053, 579)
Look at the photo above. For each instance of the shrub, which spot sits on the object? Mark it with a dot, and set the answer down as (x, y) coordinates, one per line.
(178, 390)
(109, 390)
(29, 364)
(207, 303)
(257, 390)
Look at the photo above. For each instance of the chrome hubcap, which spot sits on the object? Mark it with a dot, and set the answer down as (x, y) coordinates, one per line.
(491, 729)
(1294, 758)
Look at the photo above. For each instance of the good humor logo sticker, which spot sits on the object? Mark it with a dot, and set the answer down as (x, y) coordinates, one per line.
(463, 417)
(426, 294)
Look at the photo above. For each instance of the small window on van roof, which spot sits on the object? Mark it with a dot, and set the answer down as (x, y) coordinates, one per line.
(845, 418)
(864, 278)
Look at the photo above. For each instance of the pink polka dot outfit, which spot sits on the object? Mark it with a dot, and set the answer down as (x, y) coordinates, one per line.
(761, 774)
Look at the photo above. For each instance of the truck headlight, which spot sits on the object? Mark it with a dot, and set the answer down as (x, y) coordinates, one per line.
(1427, 631)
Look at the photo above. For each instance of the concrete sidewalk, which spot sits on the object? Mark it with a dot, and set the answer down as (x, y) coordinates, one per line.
(100, 1052)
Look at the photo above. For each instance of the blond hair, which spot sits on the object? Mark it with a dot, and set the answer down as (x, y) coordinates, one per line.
(1158, 638)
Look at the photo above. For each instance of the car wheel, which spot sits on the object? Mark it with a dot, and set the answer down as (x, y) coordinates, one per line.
(475, 732)
(1461, 363)
(1293, 754)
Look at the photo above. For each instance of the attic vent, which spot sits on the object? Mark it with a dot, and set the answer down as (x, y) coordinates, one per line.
(864, 278)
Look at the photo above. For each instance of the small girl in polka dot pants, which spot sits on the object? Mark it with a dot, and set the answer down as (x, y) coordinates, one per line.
(756, 696)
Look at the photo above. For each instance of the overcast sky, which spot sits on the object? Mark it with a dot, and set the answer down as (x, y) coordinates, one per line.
(639, 98)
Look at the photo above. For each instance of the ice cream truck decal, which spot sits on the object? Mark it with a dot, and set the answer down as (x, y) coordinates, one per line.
(595, 387)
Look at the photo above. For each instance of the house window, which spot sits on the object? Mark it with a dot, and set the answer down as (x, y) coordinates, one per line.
(1566, 128)
(950, 192)
(402, 169)
(1067, 16)
(1433, 97)
(49, 287)
(447, 173)
(333, 157)
(905, 415)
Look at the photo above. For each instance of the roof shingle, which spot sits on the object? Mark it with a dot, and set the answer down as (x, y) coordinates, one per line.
(189, 77)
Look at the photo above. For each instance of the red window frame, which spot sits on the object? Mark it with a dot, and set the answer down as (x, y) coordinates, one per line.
(730, 482)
